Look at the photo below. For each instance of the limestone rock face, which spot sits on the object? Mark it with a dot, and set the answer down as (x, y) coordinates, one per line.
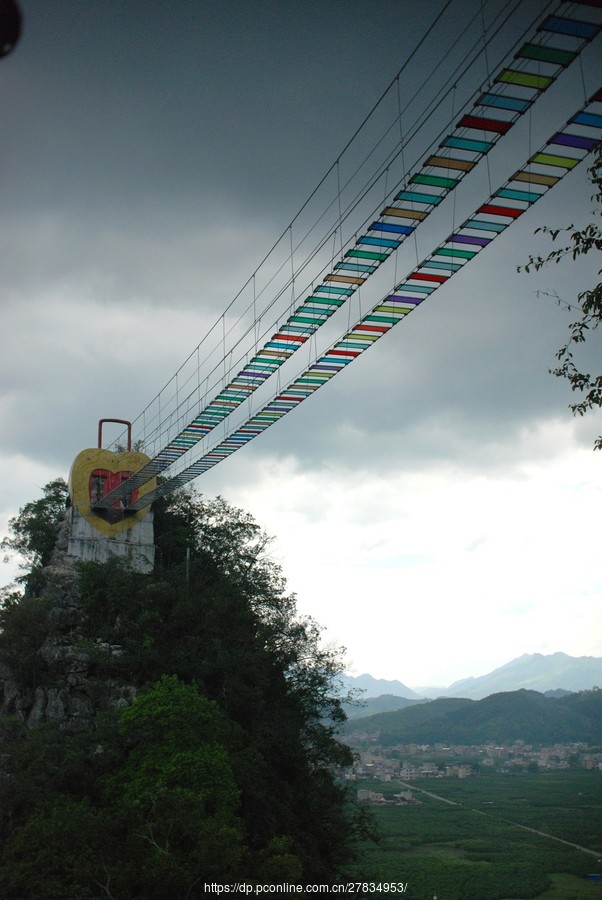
(71, 698)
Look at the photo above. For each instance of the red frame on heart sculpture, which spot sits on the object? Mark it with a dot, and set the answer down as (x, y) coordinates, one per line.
(102, 482)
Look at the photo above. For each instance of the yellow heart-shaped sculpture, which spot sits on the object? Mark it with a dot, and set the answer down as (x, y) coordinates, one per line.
(93, 474)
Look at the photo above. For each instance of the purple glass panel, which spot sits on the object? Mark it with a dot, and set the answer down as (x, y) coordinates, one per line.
(469, 239)
(574, 140)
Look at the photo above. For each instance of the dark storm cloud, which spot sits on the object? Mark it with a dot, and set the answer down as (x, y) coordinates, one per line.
(152, 152)
(152, 146)
(156, 151)
(192, 101)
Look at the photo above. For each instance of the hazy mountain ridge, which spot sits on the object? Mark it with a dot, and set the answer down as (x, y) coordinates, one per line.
(531, 671)
(374, 705)
(554, 676)
(368, 687)
(534, 671)
(501, 718)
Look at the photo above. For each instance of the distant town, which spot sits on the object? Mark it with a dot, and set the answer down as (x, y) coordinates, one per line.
(408, 762)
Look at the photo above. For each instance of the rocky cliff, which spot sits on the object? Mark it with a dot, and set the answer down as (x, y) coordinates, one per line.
(64, 690)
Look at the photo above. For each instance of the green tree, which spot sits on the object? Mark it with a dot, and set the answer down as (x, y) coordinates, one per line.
(23, 627)
(33, 532)
(144, 807)
(177, 788)
(233, 631)
(63, 851)
(580, 243)
(226, 764)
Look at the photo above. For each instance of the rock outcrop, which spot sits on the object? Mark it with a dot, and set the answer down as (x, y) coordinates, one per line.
(69, 695)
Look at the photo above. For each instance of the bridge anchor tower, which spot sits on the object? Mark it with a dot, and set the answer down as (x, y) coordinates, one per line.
(96, 535)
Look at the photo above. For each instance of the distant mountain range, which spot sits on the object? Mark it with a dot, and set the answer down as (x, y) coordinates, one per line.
(500, 718)
(532, 671)
(376, 695)
(374, 705)
(376, 687)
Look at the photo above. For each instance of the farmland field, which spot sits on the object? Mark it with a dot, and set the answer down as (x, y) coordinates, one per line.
(483, 844)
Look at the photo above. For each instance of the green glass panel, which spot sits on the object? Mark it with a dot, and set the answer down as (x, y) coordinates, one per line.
(462, 254)
(526, 79)
(315, 311)
(367, 254)
(390, 320)
(328, 301)
(438, 264)
(435, 180)
(306, 320)
(546, 54)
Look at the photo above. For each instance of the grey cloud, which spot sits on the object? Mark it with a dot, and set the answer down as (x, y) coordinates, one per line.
(155, 156)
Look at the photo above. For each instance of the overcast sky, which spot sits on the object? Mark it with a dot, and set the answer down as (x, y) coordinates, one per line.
(436, 507)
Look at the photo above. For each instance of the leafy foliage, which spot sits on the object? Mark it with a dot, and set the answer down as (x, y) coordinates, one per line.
(33, 532)
(177, 790)
(223, 768)
(581, 242)
(23, 627)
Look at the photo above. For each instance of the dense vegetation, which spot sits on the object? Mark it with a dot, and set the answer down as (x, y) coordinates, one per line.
(222, 769)
(476, 847)
(33, 533)
(515, 715)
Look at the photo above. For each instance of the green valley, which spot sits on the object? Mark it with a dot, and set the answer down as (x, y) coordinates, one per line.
(500, 836)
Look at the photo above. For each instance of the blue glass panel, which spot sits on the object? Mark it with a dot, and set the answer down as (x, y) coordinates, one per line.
(355, 267)
(501, 102)
(332, 289)
(423, 288)
(378, 241)
(439, 264)
(511, 194)
(587, 119)
(417, 197)
(466, 144)
(574, 27)
(389, 226)
(484, 225)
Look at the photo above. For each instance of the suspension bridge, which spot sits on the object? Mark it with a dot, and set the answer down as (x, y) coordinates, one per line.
(236, 384)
